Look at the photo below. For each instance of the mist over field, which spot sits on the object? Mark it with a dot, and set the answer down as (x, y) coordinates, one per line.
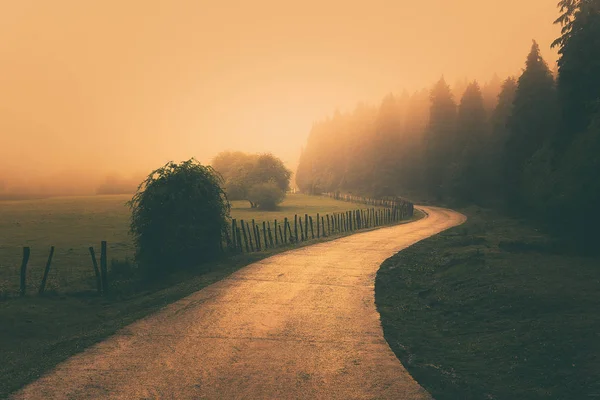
(94, 96)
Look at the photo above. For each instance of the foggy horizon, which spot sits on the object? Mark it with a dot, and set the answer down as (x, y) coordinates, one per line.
(112, 89)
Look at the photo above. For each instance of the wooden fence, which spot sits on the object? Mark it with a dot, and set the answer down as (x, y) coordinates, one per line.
(248, 236)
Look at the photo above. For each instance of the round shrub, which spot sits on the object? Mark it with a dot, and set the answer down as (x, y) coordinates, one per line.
(177, 217)
(266, 195)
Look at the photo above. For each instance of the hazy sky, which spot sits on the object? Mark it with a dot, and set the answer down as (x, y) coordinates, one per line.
(127, 85)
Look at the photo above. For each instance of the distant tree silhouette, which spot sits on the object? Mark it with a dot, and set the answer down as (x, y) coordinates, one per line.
(242, 172)
(469, 166)
(440, 148)
(532, 122)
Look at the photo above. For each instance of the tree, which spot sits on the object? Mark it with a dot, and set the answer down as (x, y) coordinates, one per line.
(242, 172)
(532, 122)
(266, 195)
(439, 137)
(499, 135)
(578, 187)
(235, 167)
(469, 184)
(178, 216)
(579, 64)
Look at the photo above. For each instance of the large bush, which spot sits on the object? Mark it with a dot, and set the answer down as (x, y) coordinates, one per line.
(266, 195)
(253, 176)
(177, 217)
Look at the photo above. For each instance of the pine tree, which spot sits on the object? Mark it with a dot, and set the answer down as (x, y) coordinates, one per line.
(533, 121)
(579, 64)
(439, 137)
(499, 135)
(469, 166)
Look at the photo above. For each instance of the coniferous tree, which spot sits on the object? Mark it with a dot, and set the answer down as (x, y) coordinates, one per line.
(469, 164)
(533, 121)
(498, 137)
(439, 138)
(579, 64)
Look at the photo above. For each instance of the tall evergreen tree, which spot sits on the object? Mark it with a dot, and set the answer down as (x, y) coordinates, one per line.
(469, 166)
(499, 134)
(533, 120)
(439, 137)
(579, 64)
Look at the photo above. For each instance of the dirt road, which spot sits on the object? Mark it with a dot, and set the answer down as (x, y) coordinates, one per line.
(299, 325)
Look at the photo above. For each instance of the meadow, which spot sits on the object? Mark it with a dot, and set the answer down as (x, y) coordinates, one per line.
(72, 224)
(494, 309)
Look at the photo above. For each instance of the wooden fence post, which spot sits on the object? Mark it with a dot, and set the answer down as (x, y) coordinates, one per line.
(250, 237)
(285, 224)
(275, 229)
(256, 239)
(312, 232)
(256, 234)
(328, 226)
(323, 225)
(96, 270)
(104, 267)
(290, 232)
(302, 237)
(265, 235)
(245, 235)
(296, 228)
(280, 235)
(306, 226)
(46, 271)
(23, 285)
(318, 226)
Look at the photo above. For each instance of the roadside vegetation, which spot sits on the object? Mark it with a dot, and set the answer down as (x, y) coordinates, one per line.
(494, 309)
(38, 332)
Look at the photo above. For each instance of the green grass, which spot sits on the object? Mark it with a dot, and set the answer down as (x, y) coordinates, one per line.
(494, 309)
(72, 224)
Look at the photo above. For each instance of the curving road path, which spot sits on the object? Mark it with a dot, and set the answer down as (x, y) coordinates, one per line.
(298, 325)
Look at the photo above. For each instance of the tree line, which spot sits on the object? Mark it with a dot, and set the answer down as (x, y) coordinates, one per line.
(529, 144)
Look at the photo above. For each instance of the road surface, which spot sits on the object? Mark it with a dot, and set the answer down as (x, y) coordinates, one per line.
(298, 325)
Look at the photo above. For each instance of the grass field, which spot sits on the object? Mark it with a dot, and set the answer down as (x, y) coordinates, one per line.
(494, 309)
(72, 224)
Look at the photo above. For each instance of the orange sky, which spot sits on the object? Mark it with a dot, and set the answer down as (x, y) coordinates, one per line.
(128, 85)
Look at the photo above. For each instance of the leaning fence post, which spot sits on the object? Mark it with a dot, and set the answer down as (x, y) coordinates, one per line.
(312, 232)
(285, 224)
(46, 271)
(257, 238)
(23, 286)
(104, 267)
(96, 271)
(280, 235)
(302, 236)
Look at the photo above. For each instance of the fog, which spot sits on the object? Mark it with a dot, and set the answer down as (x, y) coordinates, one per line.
(113, 88)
